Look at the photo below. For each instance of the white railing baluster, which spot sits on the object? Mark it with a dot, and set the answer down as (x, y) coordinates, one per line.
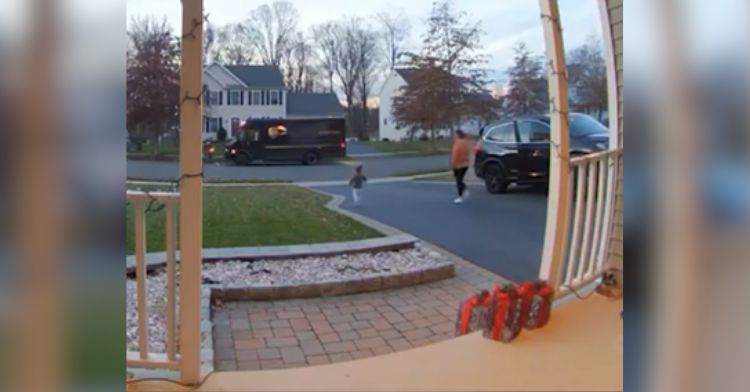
(143, 358)
(595, 258)
(169, 228)
(140, 276)
(568, 229)
(587, 238)
(586, 246)
(575, 243)
(612, 168)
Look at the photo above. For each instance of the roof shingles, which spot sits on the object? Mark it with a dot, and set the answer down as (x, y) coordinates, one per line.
(313, 105)
(257, 75)
(308, 105)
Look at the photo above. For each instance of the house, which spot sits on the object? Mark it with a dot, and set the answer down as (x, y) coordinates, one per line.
(388, 129)
(235, 93)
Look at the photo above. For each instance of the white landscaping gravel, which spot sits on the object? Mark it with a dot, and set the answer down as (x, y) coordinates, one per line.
(271, 272)
(319, 269)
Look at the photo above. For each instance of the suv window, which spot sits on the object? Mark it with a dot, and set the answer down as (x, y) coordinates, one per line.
(533, 131)
(504, 133)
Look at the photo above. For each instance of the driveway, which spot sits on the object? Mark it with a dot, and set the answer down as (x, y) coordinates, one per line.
(502, 233)
(375, 167)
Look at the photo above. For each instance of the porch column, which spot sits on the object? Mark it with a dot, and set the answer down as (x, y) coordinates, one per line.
(191, 183)
(558, 201)
(680, 223)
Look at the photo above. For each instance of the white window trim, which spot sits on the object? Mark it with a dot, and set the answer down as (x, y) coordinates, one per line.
(213, 98)
(270, 98)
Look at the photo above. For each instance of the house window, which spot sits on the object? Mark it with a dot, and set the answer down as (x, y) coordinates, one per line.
(281, 97)
(274, 97)
(235, 97)
(255, 98)
(213, 124)
(385, 121)
(213, 98)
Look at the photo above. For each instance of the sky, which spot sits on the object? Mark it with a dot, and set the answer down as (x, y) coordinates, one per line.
(505, 22)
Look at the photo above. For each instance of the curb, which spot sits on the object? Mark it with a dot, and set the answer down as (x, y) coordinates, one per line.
(382, 180)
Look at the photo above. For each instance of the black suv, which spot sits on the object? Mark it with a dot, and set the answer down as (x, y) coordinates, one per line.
(518, 151)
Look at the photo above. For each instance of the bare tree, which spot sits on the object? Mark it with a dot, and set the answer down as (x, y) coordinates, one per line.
(209, 42)
(272, 29)
(588, 77)
(452, 42)
(297, 65)
(233, 46)
(394, 31)
(326, 48)
(528, 88)
(368, 66)
(348, 60)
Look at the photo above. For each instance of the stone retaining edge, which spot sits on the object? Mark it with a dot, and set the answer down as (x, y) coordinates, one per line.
(328, 289)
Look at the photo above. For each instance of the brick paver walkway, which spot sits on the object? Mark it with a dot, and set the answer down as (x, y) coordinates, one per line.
(283, 334)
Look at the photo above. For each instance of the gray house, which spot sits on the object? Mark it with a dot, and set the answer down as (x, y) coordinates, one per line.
(235, 93)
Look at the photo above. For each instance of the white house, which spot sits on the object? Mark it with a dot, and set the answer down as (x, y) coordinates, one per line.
(391, 88)
(236, 93)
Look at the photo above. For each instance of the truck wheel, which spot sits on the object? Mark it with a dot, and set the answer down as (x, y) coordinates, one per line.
(241, 159)
(494, 179)
(311, 158)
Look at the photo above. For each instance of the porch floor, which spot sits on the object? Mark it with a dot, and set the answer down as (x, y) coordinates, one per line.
(581, 349)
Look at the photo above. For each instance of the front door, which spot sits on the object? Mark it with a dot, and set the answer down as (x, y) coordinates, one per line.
(533, 150)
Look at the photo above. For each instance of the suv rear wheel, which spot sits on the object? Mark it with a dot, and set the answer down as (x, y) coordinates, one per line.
(495, 180)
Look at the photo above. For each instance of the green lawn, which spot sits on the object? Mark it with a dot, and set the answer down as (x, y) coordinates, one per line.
(425, 147)
(256, 216)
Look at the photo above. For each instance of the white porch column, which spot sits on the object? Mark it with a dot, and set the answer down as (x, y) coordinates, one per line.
(191, 167)
(559, 195)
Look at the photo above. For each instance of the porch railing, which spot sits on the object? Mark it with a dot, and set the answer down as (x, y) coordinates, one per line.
(143, 358)
(592, 184)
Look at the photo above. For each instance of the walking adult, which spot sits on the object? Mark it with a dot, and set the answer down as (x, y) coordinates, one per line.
(460, 161)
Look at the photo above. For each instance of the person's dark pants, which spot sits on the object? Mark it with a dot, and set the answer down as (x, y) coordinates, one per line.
(460, 174)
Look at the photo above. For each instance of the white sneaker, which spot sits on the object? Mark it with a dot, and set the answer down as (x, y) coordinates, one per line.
(459, 200)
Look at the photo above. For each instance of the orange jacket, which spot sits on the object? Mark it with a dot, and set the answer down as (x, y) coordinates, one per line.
(461, 153)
